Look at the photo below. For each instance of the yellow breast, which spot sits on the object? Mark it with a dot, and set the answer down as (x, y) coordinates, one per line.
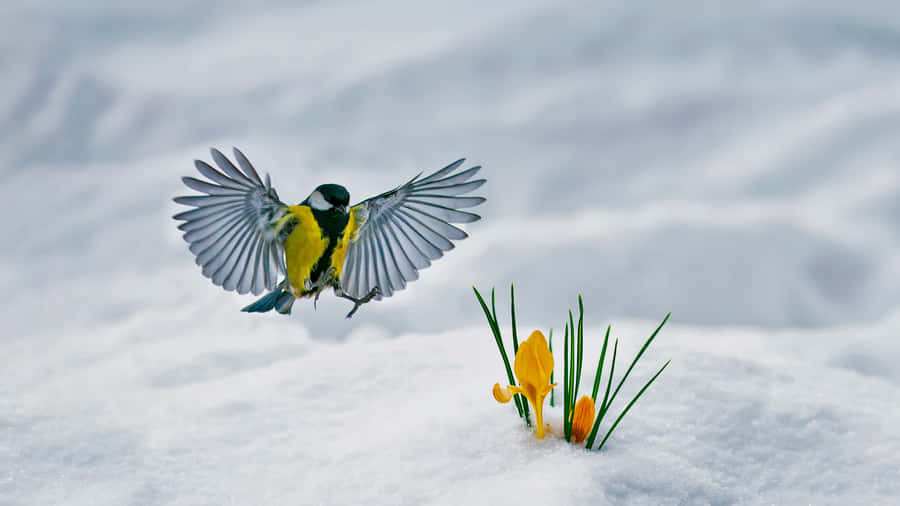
(306, 244)
(303, 248)
(340, 251)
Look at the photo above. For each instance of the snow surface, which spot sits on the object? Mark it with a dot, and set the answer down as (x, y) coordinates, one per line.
(734, 163)
(150, 411)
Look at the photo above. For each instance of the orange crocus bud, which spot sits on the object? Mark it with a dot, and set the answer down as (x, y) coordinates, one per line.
(583, 419)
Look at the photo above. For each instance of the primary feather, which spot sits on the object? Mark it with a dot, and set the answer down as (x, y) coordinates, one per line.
(231, 231)
(405, 229)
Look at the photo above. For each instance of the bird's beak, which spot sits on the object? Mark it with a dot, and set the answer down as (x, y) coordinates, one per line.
(342, 209)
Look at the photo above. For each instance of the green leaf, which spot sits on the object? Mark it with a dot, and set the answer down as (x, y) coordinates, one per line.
(600, 365)
(572, 393)
(580, 358)
(496, 331)
(602, 411)
(636, 397)
(638, 356)
(612, 370)
(567, 429)
(512, 310)
(551, 372)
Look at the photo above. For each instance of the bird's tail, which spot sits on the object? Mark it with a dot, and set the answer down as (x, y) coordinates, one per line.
(278, 299)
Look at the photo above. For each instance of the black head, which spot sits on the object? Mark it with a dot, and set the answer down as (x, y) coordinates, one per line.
(329, 196)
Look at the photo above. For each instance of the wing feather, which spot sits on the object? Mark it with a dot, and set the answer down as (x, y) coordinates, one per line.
(259, 282)
(205, 200)
(218, 235)
(407, 228)
(209, 188)
(247, 167)
(437, 175)
(435, 238)
(231, 229)
(459, 177)
(201, 212)
(226, 268)
(394, 280)
(446, 214)
(435, 223)
(228, 168)
(215, 176)
(220, 253)
(201, 222)
(408, 245)
(431, 251)
(457, 189)
(406, 266)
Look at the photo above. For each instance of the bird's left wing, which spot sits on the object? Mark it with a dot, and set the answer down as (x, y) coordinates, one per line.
(401, 231)
(232, 229)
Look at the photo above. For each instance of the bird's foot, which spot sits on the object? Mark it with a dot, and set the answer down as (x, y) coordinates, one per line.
(362, 300)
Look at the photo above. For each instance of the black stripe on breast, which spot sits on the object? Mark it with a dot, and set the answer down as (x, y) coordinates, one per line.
(332, 223)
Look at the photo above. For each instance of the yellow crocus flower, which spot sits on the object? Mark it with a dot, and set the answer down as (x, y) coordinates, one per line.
(533, 366)
(583, 419)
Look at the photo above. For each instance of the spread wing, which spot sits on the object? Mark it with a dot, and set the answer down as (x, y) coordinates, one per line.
(401, 231)
(231, 229)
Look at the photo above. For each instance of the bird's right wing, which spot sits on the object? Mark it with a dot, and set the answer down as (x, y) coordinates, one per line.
(400, 232)
(232, 230)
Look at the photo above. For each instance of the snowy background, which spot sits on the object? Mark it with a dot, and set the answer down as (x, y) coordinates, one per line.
(737, 165)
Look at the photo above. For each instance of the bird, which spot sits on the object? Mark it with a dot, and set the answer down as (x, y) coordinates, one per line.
(245, 238)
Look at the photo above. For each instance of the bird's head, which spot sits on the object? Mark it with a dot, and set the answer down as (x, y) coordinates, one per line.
(329, 197)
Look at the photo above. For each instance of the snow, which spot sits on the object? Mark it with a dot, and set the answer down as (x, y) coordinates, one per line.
(256, 414)
(735, 164)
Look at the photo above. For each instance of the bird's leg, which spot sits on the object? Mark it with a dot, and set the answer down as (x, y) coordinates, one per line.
(360, 301)
(315, 300)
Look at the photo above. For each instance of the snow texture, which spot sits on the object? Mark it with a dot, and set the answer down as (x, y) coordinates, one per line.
(735, 163)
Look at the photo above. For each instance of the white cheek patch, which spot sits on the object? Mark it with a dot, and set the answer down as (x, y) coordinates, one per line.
(318, 202)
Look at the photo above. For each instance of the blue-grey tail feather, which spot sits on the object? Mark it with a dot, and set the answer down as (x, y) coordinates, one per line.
(278, 299)
(284, 302)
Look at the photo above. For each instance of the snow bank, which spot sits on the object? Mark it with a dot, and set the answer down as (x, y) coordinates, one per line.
(257, 413)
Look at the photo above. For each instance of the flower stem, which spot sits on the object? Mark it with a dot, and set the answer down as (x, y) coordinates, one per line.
(539, 419)
(552, 402)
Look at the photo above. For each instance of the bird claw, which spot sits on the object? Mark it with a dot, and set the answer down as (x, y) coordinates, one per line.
(374, 292)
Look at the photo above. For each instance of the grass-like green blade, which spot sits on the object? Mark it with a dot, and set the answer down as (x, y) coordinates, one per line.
(600, 365)
(567, 430)
(492, 322)
(603, 406)
(612, 370)
(579, 359)
(521, 402)
(572, 392)
(512, 311)
(636, 397)
(552, 403)
(638, 357)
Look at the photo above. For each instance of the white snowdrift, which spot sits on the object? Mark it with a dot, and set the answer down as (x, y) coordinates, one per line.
(254, 412)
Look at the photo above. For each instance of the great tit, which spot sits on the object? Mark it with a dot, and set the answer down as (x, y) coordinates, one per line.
(244, 236)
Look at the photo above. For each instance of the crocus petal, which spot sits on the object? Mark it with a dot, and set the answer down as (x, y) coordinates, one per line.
(546, 390)
(505, 395)
(583, 419)
(533, 366)
(534, 362)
